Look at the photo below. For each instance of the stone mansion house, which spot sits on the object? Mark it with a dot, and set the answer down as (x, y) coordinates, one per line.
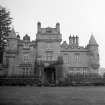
(48, 58)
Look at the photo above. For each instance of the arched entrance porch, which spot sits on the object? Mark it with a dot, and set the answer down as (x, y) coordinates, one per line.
(50, 74)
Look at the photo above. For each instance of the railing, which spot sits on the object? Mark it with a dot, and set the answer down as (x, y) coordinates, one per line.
(19, 81)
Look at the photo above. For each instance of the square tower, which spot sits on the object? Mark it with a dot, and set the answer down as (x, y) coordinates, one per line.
(48, 52)
(48, 43)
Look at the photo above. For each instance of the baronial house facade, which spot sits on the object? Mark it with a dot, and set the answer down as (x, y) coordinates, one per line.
(48, 58)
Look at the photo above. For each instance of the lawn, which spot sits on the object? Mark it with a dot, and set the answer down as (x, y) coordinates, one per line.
(52, 95)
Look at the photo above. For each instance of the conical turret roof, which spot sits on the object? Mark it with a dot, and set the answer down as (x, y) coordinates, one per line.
(92, 40)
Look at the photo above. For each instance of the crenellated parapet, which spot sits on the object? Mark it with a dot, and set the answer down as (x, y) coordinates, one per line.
(48, 30)
(48, 33)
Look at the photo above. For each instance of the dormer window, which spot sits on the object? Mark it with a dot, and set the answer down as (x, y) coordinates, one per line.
(26, 38)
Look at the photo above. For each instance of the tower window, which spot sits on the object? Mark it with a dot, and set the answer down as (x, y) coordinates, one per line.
(77, 57)
(49, 55)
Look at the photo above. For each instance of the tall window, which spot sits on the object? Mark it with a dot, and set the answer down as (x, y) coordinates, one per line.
(27, 71)
(26, 58)
(66, 58)
(85, 70)
(49, 55)
(77, 57)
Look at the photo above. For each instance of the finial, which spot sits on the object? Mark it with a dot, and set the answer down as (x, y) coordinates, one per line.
(57, 23)
(92, 34)
(39, 23)
(58, 27)
(38, 26)
(70, 36)
(26, 37)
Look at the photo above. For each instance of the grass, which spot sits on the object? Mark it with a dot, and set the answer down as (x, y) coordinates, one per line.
(52, 95)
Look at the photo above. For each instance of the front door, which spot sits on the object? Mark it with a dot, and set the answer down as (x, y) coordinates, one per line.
(50, 74)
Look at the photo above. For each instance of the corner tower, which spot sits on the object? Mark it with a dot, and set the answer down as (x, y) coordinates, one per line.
(93, 54)
(12, 52)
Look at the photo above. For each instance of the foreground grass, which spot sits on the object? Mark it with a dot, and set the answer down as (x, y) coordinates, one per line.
(52, 95)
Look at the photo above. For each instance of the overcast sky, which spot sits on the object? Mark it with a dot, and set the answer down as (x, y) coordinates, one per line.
(78, 17)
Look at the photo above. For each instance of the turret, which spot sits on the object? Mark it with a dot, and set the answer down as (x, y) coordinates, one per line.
(58, 27)
(92, 46)
(77, 40)
(12, 34)
(73, 40)
(26, 38)
(93, 53)
(92, 41)
(39, 27)
(70, 40)
(12, 52)
(64, 44)
(12, 40)
(18, 37)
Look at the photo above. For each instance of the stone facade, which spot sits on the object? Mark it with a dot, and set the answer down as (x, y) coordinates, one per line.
(48, 58)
